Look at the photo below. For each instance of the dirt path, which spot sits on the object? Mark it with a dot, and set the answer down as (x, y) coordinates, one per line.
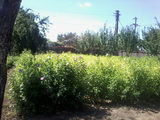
(97, 113)
(108, 113)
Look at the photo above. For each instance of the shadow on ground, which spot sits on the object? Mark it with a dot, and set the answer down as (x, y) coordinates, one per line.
(90, 112)
(143, 111)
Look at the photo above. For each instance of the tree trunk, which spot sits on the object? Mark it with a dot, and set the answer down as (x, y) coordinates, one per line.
(8, 13)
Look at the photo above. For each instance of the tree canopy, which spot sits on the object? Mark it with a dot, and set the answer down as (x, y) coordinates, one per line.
(29, 32)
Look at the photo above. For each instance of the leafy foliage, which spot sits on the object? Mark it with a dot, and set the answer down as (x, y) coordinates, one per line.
(151, 42)
(105, 42)
(29, 32)
(129, 40)
(89, 42)
(11, 60)
(68, 39)
(49, 82)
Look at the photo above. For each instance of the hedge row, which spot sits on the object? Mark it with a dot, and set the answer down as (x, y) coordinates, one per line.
(11, 60)
(50, 82)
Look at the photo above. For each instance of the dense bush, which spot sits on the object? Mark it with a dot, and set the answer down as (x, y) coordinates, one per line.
(49, 82)
(11, 61)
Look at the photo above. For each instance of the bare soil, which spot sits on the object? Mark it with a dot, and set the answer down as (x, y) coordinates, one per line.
(108, 112)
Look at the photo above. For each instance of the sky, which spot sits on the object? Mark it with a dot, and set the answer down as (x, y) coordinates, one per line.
(81, 15)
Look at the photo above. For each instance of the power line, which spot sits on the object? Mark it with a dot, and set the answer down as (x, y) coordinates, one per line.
(120, 23)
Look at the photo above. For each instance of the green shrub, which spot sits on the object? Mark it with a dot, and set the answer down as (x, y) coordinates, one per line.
(11, 61)
(146, 78)
(46, 83)
(109, 78)
(50, 82)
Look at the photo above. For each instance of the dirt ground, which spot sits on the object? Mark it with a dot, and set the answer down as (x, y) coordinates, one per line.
(97, 112)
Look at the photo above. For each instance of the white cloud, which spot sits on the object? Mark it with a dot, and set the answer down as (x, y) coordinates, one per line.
(86, 4)
(64, 23)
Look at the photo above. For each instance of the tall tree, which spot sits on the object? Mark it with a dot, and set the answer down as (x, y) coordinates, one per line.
(68, 39)
(8, 13)
(90, 43)
(129, 40)
(109, 42)
(151, 41)
(29, 32)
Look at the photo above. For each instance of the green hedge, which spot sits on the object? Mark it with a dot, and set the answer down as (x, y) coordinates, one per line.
(50, 82)
(47, 83)
(11, 60)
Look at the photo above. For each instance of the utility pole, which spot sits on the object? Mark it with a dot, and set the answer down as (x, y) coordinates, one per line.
(135, 23)
(117, 14)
